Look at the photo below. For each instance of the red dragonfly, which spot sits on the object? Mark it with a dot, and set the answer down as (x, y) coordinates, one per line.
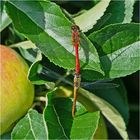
(77, 77)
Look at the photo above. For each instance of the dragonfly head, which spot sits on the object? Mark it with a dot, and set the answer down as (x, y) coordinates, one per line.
(75, 28)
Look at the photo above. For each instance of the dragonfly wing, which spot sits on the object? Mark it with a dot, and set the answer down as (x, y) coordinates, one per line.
(100, 85)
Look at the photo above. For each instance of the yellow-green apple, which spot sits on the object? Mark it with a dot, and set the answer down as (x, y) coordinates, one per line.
(16, 91)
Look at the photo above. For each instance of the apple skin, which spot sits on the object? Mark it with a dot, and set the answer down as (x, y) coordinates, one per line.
(16, 92)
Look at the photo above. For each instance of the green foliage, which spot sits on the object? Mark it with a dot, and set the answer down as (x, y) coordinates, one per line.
(129, 7)
(5, 20)
(109, 94)
(57, 38)
(59, 119)
(85, 125)
(107, 110)
(110, 49)
(84, 21)
(54, 118)
(32, 126)
(118, 47)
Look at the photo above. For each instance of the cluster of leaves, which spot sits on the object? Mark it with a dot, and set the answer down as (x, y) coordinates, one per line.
(109, 49)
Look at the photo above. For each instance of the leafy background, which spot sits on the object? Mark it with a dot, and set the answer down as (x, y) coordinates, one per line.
(109, 49)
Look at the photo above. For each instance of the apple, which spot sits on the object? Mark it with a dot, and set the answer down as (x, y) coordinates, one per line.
(16, 91)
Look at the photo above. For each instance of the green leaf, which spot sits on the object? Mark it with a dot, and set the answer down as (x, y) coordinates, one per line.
(44, 72)
(27, 49)
(88, 19)
(101, 132)
(111, 94)
(30, 52)
(2, 6)
(103, 36)
(100, 23)
(111, 114)
(32, 126)
(129, 7)
(85, 125)
(35, 70)
(118, 47)
(116, 9)
(50, 30)
(5, 20)
(58, 117)
(122, 62)
(63, 107)
(117, 12)
(24, 45)
(94, 128)
(34, 74)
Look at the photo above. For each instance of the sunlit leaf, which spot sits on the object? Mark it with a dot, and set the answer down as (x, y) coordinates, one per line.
(5, 20)
(88, 19)
(56, 120)
(32, 126)
(129, 7)
(85, 125)
(50, 30)
(27, 49)
(111, 114)
(118, 47)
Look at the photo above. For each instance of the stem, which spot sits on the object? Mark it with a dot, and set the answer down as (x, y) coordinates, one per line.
(42, 99)
(36, 104)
